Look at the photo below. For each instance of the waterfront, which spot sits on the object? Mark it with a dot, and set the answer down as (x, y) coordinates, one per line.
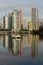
(25, 51)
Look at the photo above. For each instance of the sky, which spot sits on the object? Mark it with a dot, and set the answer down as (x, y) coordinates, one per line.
(6, 6)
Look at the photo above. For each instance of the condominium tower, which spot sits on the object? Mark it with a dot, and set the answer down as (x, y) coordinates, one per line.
(35, 23)
(17, 20)
(5, 22)
(13, 21)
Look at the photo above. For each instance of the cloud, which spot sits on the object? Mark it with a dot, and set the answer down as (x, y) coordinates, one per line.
(37, 3)
(2, 0)
(21, 5)
(14, 5)
(25, 6)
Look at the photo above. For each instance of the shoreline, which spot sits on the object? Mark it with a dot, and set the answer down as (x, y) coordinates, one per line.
(22, 32)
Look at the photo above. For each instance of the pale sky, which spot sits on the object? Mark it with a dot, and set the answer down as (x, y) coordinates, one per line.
(6, 6)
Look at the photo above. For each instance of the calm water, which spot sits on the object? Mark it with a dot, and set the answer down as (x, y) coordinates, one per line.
(25, 51)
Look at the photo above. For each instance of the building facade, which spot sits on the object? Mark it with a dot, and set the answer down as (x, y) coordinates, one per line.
(5, 22)
(17, 20)
(25, 23)
(13, 21)
(35, 22)
(10, 21)
(30, 25)
(40, 22)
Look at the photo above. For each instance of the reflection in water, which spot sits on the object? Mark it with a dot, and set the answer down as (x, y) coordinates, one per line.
(41, 37)
(15, 45)
(7, 41)
(29, 47)
(25, 41)
(34, 46)
(30, 39)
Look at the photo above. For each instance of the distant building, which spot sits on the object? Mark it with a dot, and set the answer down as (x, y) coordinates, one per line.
(5, 22)
(10, 21)
(25, 23)
(35, 22)
(40, 22)
(1, 25)
(17, 20)
(30, 25)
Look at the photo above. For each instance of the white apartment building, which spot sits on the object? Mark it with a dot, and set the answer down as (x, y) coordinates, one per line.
(16, 20)
(10, 21)
(5, 22)
(35, 22)
(13, 21)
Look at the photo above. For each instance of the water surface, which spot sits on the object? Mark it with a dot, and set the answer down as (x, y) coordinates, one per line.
(25, 51)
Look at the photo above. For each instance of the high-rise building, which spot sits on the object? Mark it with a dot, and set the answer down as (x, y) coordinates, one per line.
(17, 20)
(13, 21)
(10, 21)
(35, 22)
(5, 22)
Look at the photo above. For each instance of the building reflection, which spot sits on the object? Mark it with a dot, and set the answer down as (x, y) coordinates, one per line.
(15, 45)
(6, 41)
(34, 47)
(41, 36)
(30, 40)
(25, 41)
(33, 43)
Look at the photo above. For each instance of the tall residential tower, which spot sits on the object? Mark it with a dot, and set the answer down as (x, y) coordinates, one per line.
(13, 21)
(17, 20)
(5, 22)
(35, 22)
